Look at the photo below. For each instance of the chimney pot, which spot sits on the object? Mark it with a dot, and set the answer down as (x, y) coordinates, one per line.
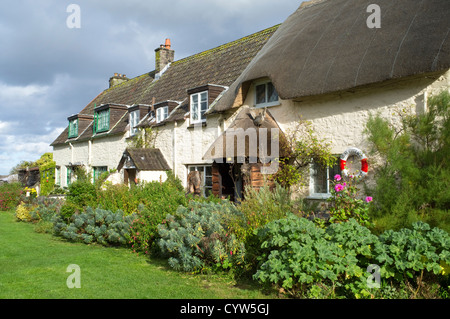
(167, 44)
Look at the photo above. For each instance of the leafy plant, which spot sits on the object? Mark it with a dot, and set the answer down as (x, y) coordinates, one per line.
(415, 172)
(259, 207)
(346, 202)
(96, 225)
(10, 195)
(306, 260)
(195, 237)
(303, 146)
(156, 200)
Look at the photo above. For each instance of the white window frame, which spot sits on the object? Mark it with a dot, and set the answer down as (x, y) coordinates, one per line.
(199, 107)
(134, 120)
(265, 104)
(58, 176)
(202, 168)
(312, 193)
(162, 113)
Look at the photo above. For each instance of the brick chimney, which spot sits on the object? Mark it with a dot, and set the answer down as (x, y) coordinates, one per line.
(117, 79)
(163, 56)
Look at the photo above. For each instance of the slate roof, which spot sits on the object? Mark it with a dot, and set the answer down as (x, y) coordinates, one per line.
(146, 159)
(326, 46)
(221, 66)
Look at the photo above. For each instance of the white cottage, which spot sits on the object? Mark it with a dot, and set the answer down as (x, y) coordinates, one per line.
(173, 100)
(328, 65)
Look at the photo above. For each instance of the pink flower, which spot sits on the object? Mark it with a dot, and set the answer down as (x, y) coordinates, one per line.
(231, 252)
(337, 177)
(369, 199)
(338, 187)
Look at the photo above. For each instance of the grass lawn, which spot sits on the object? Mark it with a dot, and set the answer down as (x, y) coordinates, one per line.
(33, 266)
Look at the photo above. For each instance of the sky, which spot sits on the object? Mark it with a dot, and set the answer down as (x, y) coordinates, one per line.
(55, 57)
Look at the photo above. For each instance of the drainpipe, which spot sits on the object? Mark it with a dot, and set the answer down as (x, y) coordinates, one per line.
(71, 152)
(174, 156)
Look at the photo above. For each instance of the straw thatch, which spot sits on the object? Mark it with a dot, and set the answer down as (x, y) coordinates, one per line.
(254, 135)
(327, 46)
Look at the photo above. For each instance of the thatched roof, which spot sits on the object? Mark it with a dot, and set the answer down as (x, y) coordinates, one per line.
(144, 159)
(251, 129)
(326, 46)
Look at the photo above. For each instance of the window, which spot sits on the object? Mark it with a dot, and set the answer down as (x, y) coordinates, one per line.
(98, 171)
(101, 121)
(265, 95)
(199, 105)
(69, 175)
(206, 176)
(320, 179)
(162, 113)
(134, 120)
(58, 176)
(73, 128)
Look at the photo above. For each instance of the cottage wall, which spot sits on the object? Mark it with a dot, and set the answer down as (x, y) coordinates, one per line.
(341, 118)
(183, 145)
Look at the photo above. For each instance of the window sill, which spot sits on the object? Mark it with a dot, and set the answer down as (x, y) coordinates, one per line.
(192, 125)
(319, 196)
(263, 105)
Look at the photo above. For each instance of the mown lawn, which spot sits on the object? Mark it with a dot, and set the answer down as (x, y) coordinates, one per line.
(33, 266)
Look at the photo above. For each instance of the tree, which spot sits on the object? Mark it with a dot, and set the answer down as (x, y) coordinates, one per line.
(414, 180)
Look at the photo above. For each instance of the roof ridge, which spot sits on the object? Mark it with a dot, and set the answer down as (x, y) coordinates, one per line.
(228, 44)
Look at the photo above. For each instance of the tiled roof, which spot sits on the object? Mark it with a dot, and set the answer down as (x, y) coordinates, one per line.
(221, 65)
(146, 159)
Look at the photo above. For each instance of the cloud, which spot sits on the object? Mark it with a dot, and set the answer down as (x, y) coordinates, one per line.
(49, 71)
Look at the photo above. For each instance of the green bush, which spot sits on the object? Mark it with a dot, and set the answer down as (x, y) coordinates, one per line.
(259, 207)
(347, 202)
(96, 225)
(10, 195)
(307, 261)
(157, 200)
(45, 209)
(413, 181)
(195, 237)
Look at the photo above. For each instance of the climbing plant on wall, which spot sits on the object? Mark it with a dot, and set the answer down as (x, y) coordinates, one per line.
(47, 170)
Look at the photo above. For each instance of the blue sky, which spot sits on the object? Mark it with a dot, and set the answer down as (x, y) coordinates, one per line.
(49, 71)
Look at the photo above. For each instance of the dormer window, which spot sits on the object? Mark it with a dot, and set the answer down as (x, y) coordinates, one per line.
(199, 105)
(134, 121)
(265, 94)
(73, 127)
(101, 121)
(162, 113)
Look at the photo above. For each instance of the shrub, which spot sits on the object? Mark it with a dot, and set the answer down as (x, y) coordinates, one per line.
(346, 202)
(411, 184)
(157, 200)
(10, 195)
(45, 209)
(195, 237)
(96, 225)
(306, 260)
(258, 208)
(23, 212)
